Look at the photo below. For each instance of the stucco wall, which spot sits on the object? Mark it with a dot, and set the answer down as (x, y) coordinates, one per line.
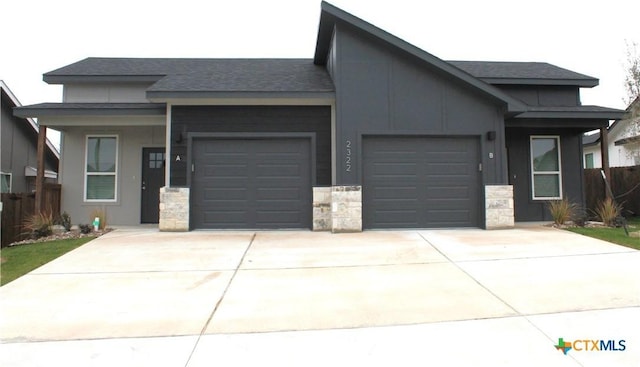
(109, 92)
(131, 140)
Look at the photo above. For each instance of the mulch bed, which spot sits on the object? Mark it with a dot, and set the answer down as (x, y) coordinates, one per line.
(72, 234)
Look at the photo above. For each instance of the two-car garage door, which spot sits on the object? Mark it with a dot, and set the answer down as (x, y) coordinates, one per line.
(408, 182)
(420, 182)
(251, 183)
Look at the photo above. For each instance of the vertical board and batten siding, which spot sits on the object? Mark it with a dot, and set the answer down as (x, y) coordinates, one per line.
(544, 95)
(251, 119)
(518, 145)
(382, 90)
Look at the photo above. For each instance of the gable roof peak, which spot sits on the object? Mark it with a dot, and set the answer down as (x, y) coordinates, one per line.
(331, 15)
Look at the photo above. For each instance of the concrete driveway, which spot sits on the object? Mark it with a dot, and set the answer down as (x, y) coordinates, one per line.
(137, 297)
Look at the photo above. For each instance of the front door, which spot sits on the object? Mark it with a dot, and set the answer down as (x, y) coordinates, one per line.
(153, 163)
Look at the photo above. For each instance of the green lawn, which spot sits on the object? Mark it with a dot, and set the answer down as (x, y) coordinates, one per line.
(615, 235)
(19, 260)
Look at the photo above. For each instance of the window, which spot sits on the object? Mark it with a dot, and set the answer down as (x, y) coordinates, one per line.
(588, 160)
(5, 181)
(545, 168)
(101, 168)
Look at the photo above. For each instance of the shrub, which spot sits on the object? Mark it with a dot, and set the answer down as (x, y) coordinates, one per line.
(608, 212)
(85, 228)
(39, 225)
(102, 214)
(562, 211)
(65, 221)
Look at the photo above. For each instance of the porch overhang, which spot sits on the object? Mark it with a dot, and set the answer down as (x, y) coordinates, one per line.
(574, 117)
(90, 109)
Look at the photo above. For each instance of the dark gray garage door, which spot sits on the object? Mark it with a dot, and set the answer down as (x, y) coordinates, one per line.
(420, 182)
(251, 183)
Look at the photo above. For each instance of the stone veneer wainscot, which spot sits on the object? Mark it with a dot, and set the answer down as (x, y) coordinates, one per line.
(174, 209)
(499, 211)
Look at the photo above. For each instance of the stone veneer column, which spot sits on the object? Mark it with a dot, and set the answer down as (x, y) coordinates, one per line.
(322, 208)
(499, 206)
(174, 209)
(346, 209)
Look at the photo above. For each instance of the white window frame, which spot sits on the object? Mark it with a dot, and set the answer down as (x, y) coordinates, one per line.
(533, 173)
(115, 174)
(10, 179)
(586, 160)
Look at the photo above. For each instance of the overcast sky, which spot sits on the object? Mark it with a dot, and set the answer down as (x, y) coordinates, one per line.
(586, 37)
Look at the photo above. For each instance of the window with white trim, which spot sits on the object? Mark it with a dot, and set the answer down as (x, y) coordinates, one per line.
(588, 160)
(546, 177)
(5, 182)
(101, 168)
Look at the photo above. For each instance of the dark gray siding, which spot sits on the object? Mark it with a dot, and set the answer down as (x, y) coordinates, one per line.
(19, 149)
(251, 119)
(382, 90)
(538, 95)
(518, 146)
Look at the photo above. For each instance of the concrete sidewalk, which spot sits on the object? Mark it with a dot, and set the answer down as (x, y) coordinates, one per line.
(138, 297)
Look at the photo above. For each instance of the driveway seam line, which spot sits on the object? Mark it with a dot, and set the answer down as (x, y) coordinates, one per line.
(547, 256)
(469, 275)
(224, 293)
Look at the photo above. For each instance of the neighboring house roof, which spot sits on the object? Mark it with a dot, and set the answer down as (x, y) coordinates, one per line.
(92, 109)
(330, 15)
(525, 73)
(627, 116)
(591, 139)
(16, 103)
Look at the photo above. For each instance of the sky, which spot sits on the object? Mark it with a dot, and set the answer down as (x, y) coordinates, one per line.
(586, 37)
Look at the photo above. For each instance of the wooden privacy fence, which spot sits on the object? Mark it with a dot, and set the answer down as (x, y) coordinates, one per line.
(625, 185)
(18, 207)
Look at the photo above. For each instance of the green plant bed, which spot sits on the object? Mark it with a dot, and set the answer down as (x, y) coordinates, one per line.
(19, 260)
(614, 235)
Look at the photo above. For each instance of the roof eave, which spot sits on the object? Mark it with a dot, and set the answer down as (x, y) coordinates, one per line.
(161, 96)
(153, 109)
(604, 115)
(79, 79)
(583, 83)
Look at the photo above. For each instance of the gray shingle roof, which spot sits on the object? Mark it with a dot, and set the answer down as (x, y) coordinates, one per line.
(202, 75)
(504, 72)
(591, 139)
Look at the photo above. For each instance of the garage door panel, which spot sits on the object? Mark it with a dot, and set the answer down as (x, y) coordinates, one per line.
(432, 183)
(448, 193)
(279, 194)
(225, 194)
(397, 218)
(252, 183)
(449, 217)
(395, 193)
(446, 169)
